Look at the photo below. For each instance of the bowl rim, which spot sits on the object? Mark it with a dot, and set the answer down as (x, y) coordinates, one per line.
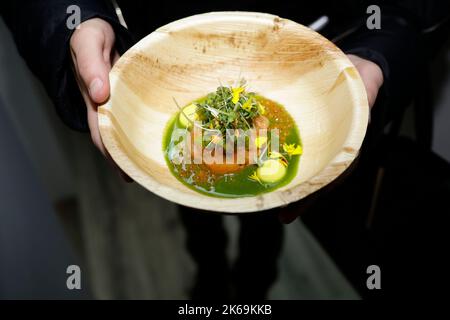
(342, 160)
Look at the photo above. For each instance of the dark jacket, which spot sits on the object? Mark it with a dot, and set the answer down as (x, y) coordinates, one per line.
(39, 29)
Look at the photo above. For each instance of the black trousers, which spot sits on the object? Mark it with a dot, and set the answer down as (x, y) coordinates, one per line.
(255, 270)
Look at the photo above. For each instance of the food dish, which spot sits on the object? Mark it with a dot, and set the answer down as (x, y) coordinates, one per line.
(281, 60)
(233, 143)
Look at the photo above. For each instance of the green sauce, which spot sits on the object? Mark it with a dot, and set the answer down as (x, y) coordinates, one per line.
(235, 185)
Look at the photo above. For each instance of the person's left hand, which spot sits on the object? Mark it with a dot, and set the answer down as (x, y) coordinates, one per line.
(372, 77)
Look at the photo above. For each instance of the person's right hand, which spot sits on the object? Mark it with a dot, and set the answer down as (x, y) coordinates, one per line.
(93, 55)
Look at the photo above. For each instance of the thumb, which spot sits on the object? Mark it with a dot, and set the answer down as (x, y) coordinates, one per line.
(92, 61)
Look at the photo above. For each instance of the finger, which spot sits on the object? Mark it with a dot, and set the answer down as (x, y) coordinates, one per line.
(93, 65)
(115, 57)
(371, 87)
(371, 75)
(123, 175)
(92, 117)
(98, 142)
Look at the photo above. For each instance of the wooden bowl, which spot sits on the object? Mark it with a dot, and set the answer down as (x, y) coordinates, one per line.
(282, 60)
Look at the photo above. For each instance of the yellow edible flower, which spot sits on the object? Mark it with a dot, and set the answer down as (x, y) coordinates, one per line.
(261, 109)
(236, 94)
(247, 106)
(254, 177)
(292, 149)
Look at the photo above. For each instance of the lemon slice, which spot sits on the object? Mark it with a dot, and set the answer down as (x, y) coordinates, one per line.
(191, 113)
(271, 171)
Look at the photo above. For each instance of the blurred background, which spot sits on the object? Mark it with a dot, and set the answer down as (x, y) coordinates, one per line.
(45, 167)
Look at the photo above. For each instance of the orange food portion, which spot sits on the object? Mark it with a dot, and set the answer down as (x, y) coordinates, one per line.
(224, 168)
(278, 120)
(261, 122)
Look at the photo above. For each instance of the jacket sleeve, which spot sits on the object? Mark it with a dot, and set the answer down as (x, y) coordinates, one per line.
(397, 46)
(39, 28)
(394, 47)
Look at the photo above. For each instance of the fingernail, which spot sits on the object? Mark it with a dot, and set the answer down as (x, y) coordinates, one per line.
(95, 86)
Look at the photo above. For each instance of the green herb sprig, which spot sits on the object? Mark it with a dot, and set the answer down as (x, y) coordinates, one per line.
(228, 108)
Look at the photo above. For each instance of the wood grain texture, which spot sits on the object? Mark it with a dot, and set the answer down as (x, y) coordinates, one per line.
(282, 60)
